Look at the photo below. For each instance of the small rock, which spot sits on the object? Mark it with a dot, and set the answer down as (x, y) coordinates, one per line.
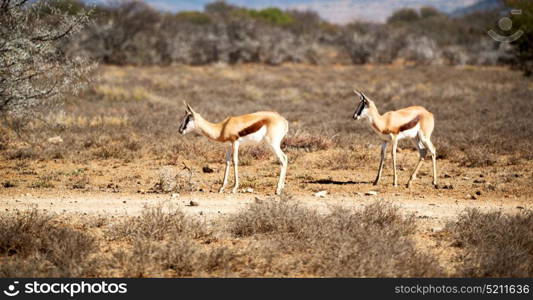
(446, 175)
(141, 192)
(207, 169)
(478, 193)
(248, 190)
(201, 213)
(479, 181)
(465, 177)
(371, 193)
(447, 187)
(55, 140)
(193, 203)
(471, 197)
(437, 229)
(174, 195)
(257, 200)
(520, 207)
(124, 201)
(321, 194)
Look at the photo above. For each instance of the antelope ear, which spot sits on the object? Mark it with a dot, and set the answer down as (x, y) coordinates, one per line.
(357, 93)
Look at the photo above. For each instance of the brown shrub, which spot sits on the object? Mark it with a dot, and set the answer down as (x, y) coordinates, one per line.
(22, 153)
(177, 257)
(495, 244)
(373, 242)
(164, 243)
(272, 217)
(32, 238)
(478, 157)
(307, 142)
(157, 223)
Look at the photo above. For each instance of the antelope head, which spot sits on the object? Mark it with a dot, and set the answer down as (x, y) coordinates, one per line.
(362, 108)
(187, 123)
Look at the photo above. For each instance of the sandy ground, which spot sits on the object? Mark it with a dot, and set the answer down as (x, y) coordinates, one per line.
(433, 212)
(119, 189)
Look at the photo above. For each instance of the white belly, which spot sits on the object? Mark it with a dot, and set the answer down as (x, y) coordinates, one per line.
(410, 133)
(255, 137)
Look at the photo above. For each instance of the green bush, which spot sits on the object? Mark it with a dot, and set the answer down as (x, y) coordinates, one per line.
(272, 15)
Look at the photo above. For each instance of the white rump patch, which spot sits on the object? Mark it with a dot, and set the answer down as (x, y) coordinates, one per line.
(255, 137)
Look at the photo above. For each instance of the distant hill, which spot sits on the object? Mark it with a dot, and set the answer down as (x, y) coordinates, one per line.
(483, 5)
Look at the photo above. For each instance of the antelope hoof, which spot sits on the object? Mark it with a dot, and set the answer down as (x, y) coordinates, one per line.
(375, 182)
(436, 185)
(234, 191)
(408, 185)
(278, 192)
(221, 190)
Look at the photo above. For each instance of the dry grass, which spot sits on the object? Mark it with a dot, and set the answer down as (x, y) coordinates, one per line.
(115, 135)
(266, 239)
(373, 242)
(475, 127)
(33, 243)
(474, 123)
(157, 223)
(495, 244)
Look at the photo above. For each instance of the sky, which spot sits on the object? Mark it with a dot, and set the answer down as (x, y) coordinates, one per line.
(337, 11)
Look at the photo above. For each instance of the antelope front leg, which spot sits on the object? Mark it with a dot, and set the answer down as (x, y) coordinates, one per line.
(236, 165)
(226, 172)
(383, 152)
(394, 147)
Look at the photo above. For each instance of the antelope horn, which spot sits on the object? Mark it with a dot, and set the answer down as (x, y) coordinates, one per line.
(189, 108)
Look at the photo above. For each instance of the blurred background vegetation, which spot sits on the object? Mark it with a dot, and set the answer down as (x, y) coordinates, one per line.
(131, 32)
(48, 47)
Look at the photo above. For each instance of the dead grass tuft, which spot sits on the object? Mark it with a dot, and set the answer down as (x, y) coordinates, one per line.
(308, 142)
(373, 242)
(156, 223)
(495, 244)
(32, 243)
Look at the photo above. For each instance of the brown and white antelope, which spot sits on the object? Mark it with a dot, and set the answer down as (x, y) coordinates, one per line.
(256, 127)
(414, 122)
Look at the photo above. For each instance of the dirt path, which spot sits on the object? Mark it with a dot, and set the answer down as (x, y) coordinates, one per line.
(432, 211)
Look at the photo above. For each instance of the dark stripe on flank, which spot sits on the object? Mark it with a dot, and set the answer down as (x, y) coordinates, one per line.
(411, 124)
(252, 128)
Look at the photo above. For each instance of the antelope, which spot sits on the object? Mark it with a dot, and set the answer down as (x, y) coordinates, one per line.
(257, 127)
(414, 122)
